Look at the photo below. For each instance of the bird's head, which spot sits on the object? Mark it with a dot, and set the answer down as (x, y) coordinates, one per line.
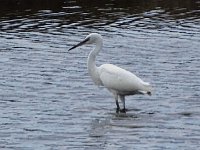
(90, 39)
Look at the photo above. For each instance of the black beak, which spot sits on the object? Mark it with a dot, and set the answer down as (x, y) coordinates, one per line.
(79, 44)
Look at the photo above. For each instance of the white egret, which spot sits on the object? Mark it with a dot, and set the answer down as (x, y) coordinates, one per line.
(118, 81)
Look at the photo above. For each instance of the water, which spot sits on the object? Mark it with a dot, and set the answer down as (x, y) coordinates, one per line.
(48, 100)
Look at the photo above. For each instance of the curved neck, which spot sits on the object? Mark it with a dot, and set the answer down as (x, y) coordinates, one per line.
(92, 68)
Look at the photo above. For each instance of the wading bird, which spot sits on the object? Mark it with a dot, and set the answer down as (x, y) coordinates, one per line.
(118, 81)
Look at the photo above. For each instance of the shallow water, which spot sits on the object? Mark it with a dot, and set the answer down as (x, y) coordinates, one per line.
(48, 100)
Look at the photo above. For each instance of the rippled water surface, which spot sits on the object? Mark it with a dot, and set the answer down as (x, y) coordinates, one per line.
(48, 100)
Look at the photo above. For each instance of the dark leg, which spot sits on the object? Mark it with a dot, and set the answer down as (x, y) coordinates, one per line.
(118, 108)
(117, 103)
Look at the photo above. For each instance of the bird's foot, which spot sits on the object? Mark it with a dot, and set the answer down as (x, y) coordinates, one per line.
(123, 110)
(117, 110)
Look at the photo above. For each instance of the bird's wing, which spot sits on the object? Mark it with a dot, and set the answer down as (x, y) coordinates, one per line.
(119, 79)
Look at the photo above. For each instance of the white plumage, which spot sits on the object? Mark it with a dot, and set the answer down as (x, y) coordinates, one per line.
(118, 81)
(121, 80)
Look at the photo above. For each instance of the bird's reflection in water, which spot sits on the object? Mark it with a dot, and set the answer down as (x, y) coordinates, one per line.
(99, 127)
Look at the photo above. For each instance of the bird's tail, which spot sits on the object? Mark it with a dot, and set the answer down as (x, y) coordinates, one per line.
(147, 88)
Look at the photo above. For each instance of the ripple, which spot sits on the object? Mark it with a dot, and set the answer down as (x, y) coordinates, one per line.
(48, 98)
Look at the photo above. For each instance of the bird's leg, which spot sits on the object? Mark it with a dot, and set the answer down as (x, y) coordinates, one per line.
(117, 103)
(122, 98)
